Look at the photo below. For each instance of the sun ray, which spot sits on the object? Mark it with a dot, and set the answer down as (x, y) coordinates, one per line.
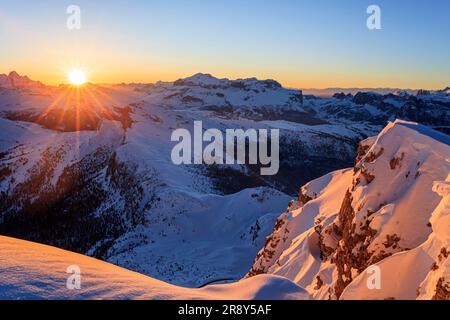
(66, 106)
(105, 112)
(53, 105)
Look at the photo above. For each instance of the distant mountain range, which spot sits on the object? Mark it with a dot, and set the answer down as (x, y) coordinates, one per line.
(329, 92)
(14, 80)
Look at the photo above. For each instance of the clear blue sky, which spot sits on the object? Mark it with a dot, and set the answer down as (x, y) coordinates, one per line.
(301, 43)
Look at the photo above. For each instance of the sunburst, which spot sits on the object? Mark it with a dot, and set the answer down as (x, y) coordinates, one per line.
(77, 77)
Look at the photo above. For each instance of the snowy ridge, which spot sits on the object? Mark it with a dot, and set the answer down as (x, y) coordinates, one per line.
(34, 271)
(390, 210)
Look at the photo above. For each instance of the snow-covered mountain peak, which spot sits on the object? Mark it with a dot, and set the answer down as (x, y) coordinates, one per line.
(208, 81)
(241, 98)
(14, 74)
(349, 220)
(15, 81)
(202, 79)
(446, 90)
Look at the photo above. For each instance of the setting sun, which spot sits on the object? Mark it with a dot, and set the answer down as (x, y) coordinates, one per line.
(77, 77)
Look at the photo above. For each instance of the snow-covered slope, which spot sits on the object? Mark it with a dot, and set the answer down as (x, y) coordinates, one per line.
(33, 271)
(390, 210)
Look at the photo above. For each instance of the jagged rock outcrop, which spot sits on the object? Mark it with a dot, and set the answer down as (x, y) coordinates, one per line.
(382, 212)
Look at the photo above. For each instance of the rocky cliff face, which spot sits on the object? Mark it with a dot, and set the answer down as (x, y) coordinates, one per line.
(348, 221)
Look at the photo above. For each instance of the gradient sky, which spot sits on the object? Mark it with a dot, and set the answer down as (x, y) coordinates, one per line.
(301, 43)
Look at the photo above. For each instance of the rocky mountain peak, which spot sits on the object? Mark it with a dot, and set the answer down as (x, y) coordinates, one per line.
(382, 212)
(15, 81)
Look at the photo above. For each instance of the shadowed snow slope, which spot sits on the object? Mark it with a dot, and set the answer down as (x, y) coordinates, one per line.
(391, 210)
(34, 271)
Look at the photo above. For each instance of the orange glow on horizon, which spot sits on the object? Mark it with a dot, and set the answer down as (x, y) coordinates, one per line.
(308, 79)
